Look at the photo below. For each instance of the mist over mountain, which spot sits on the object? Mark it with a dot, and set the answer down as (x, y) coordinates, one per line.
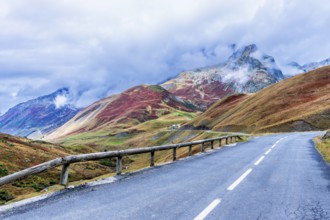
(247, 70)
(297, 68)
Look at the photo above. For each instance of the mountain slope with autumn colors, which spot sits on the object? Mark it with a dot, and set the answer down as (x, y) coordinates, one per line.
(300, 103)
(125, 110)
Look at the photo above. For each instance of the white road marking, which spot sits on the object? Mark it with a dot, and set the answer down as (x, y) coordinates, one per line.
(239, 180)
(261, 158)
(208, 209)
(277, 142)
(230, 145)
(267, 152)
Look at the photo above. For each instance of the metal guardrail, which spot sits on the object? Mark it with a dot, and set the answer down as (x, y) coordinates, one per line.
(66, 161)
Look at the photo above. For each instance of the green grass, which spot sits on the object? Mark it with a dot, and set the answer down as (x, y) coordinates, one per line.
(115, 138)
(3, 170)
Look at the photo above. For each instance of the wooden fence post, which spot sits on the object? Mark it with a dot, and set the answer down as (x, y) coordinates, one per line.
(119, 165)
(152, 158)
(220, 142)
(174, 154)
(65, 174)
(190, 150)
(212, 147)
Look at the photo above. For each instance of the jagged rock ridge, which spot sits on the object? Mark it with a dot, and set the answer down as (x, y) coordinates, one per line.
(247, 70)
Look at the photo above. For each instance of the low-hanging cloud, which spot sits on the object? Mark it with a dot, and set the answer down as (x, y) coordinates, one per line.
(97, 48)
(60, 101)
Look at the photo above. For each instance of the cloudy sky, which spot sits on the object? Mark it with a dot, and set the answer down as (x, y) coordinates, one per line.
(102, 47)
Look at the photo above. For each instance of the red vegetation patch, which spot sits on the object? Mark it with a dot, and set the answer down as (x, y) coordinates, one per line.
(139, 103)
(205, 94)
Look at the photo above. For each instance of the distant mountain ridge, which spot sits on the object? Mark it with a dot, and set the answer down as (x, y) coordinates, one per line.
(38, 116)
(245, 71)
(309, 66)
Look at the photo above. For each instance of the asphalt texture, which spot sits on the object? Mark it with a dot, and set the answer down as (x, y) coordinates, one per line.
(271, 177)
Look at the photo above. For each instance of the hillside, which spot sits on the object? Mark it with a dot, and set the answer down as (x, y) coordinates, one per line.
(247, 70)
(17, 153)
(38, 116)
(118, 113)
(300, 103)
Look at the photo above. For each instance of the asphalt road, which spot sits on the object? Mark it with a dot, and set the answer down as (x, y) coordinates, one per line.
(271, 177)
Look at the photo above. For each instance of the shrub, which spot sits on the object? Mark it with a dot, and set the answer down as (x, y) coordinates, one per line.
(5, 196)
(3, 171)
(39, 186)
(108, 162)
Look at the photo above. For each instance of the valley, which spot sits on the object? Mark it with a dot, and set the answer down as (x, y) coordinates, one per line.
(247, 93)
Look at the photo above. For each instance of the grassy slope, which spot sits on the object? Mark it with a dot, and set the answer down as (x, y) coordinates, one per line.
(121, 137)
(323, 145)
(20, 153)
(298, 103)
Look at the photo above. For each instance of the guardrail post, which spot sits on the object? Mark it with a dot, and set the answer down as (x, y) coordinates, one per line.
(212, 147)
(119, 165)
(190, 150)
(203, 147)
(226, 140)
(65, 174)
(152, 158)
(174, 154)
(220, 142)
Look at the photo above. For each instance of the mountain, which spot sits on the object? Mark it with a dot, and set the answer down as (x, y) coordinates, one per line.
(300, 103)
(247, 70)
(308, 66)
(129, 108)
(38, 116)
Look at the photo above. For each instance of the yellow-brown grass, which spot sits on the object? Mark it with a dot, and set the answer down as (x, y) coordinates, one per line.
(19, 153)
(298, 103)
(323, 145)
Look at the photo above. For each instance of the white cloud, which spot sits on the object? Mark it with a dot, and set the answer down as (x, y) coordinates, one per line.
(60, 101)
(100, 47)
(240, 76)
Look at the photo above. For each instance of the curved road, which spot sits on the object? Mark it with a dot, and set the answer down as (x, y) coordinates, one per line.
(270, 177)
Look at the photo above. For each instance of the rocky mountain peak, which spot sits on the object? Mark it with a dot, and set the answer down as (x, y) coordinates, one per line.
(247, 70)
(243, 53)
